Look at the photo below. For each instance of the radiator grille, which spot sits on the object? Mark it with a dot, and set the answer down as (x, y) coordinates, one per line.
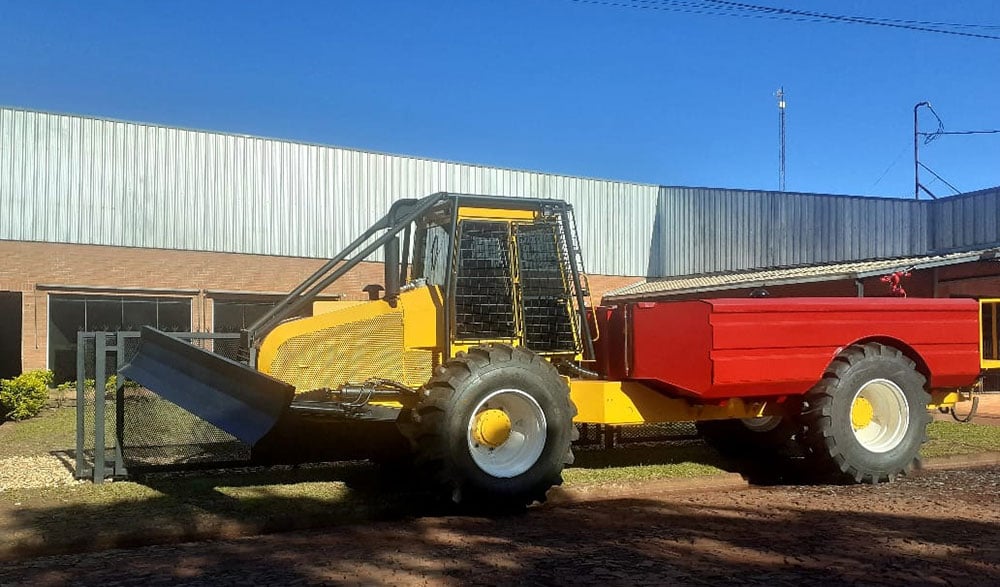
(351, 353)
(419, 364)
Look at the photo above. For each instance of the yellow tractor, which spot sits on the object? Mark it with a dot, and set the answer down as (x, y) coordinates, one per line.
(482, 306)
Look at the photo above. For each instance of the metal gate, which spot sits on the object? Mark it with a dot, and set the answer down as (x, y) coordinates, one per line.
(123, 428)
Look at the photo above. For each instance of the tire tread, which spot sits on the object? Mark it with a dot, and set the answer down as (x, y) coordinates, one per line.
(817, 417)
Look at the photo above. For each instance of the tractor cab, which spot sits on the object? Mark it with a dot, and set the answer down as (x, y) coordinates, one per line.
(506, 272)
(463, 273)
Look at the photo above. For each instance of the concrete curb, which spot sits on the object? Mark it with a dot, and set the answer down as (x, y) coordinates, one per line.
(657, 487)
(203, 530)
(979, 459)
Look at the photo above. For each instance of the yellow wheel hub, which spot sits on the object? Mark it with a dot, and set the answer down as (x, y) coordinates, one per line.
(861, 413)
(491, 428)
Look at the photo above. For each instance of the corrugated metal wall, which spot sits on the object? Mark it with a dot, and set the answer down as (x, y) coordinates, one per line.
(703, 230)
(84, 180)
(969, 220)
(93, 181)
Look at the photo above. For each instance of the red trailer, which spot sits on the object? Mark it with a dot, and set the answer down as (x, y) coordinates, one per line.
(848, 380)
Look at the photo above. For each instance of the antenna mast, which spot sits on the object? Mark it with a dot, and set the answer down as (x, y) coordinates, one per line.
(780, 95)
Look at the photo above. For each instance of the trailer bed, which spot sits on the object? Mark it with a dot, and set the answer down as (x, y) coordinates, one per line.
(749, 347)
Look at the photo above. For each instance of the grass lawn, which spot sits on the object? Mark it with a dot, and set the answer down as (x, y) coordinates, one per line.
(54, 429)
(952, 438)
(639, 463)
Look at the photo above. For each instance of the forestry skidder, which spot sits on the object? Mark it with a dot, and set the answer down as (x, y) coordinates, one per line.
(481, 349)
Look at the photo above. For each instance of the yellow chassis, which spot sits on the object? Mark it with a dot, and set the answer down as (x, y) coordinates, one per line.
(627, 402)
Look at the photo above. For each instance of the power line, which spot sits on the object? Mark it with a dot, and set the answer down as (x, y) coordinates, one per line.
(924, 26)
(741, 10)
(891, 165)
(940, 128)
(961, 132)
(928, 137)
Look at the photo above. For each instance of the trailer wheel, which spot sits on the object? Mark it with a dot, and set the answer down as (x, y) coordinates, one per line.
(494, 427)
(865, 421)
(748, 437)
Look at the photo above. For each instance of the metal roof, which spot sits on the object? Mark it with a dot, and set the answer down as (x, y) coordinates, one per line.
(791, 275)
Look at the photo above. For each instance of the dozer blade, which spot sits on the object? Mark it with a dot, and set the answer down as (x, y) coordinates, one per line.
(242, 401)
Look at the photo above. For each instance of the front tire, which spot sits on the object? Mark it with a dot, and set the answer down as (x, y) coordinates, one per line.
(494, 427)
(866, 420)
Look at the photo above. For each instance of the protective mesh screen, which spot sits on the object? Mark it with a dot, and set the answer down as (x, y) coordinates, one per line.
(484, 298)
(150, 431)
(545, 293)
(670, 433)
(157, 432)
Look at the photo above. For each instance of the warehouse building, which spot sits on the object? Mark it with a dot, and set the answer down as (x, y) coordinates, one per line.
(742, 243)
(108, 225)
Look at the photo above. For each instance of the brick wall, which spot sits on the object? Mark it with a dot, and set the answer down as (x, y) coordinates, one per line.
(601, 284)
(34, 268)
(128, 271)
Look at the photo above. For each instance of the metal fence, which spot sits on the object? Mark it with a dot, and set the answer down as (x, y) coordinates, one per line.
(123, 428)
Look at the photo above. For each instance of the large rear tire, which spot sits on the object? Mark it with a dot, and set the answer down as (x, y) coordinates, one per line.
(865, 421)
(494, 427)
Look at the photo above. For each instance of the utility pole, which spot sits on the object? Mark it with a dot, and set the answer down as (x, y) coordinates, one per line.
(780, 95)
(916, 151)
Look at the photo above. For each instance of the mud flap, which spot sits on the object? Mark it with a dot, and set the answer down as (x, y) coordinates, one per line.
(242, 401)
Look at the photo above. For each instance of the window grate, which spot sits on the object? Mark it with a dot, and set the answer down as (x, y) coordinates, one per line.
(484, 293)
(546, 303)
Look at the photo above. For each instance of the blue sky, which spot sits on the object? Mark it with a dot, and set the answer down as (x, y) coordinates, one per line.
(581, 88)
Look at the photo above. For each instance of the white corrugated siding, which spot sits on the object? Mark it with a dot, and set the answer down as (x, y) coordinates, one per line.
(75, 179)
(84, 180)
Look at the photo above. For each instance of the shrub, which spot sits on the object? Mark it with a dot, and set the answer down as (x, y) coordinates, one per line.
(25, 395)
(89, 385)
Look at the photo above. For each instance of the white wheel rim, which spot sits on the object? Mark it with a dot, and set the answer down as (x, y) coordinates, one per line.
(520, 451)
(762, 423)
(890, 416)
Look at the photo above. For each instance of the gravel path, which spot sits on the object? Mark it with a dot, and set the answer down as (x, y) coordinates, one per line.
(936, 528)
(34, 472)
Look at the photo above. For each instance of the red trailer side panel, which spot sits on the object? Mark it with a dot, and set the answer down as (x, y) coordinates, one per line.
(758, 347)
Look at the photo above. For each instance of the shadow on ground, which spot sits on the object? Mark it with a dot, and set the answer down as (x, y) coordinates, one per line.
(758, 537)
(199, 504)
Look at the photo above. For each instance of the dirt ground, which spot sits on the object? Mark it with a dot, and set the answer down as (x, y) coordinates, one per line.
(987, 413)
(934, 528)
